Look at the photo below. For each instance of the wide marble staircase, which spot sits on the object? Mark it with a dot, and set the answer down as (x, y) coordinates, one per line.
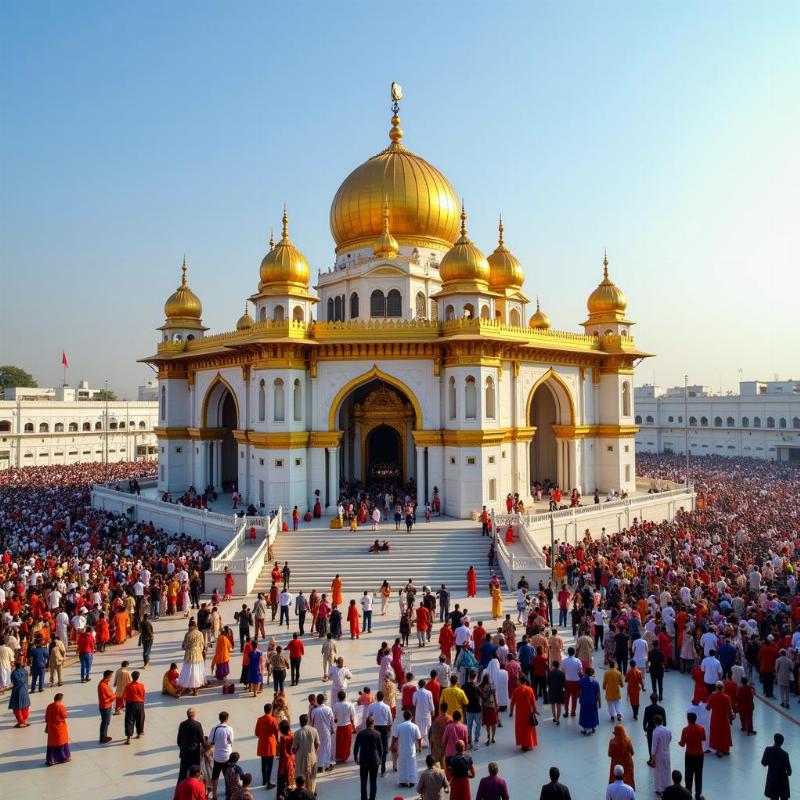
(437, 552)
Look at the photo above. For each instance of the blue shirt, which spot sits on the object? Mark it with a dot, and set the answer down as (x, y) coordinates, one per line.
(38, 658)
(525, 655)
(487, 653)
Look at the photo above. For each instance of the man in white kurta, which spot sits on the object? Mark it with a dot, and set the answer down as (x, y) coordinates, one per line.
(422, 701)
(323, 722)
(409, 740)
(662, 737)
(340, 676)
(62, 627)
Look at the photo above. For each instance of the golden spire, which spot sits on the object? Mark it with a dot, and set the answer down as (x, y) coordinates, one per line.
(605, 264)
(396, 132)
(183, 270)
(500, 242)
(183, 303)
(285, 221)
(271, 238)
(506, 269)
(385, 245)
(607, 298)
(463, 219)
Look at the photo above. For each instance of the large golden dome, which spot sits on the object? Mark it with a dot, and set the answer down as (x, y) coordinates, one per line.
(505, 269)
(284, 263)
(423, 206)
(607, 298)
(183, 303)
(464, 262)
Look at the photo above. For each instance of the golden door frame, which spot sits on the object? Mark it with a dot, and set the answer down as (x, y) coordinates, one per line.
(390, 410)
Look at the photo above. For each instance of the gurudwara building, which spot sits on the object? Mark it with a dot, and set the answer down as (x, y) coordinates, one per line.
(416, 357)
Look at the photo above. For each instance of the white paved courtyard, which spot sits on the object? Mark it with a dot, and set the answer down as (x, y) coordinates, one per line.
(148, 768)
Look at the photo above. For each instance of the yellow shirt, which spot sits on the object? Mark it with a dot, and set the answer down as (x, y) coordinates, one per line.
(612, 684)
(455, 698)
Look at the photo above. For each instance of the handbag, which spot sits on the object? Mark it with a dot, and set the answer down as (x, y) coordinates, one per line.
(533, 719)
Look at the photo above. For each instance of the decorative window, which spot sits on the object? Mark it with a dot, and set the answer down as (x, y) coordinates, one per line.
(28, 428)
(730, 422)
(449, 313)
(73, 427)
(297, 314)
(745, 422)
(638, 419)
(262, 400)
(44, 427)
(782, 422)
(484, 312)
(377, 304)
(513, 318)
(338, 311)
(278, 314)
(470, 398)
(121, 426)
(163, 411)
(796, 422)
(693, 421)
(394, 304)
(98, 426)
(756, 422)
(354, 305)
(434, 311)
(770, 422)
(489, 401)
(704, 422)
(469, 311)
(142, 426)
(650, 420)
(717, 422)
(471, 461)
(278, 400)
(330, 309)
(5, 426)
(626, 399)
(262, 315)
(451, 398)
(87, 426)
(420, 306)
(297, 400)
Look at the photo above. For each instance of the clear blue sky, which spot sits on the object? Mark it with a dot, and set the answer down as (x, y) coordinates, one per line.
(131, 133)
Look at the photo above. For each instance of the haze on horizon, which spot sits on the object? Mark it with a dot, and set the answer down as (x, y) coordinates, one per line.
(666, 133)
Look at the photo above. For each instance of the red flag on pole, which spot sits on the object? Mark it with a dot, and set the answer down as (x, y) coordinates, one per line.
(64, 359)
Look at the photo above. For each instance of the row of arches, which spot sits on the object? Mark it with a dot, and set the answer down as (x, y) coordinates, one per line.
(467, 311)
(388, 305)
(471, 398)
(279, 400)
(73, 427)
(781, 423)
(279, 314)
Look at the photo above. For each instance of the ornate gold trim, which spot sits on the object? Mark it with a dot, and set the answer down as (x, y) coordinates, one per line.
(169, 433)
(574, 431)
(427, 438)
(206, 434)
(477, 438)
(616, 431)
(522, 433)
(324, 438)
(284, 440)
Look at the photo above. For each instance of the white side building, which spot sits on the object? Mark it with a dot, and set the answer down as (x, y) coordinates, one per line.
(66, 425)
(762, 421)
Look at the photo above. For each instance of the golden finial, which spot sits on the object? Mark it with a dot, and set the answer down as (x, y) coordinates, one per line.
(271, 238)
(537, 302)
(500, 232)
(285, 221)
(183, 270)
(463, 219)
(386, 213)
(605, 265)
(396, 132)
(385, 245)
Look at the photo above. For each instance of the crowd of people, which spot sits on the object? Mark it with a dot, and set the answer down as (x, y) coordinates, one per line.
(712, 594)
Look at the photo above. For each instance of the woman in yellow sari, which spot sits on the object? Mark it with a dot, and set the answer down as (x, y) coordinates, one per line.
(497, 602)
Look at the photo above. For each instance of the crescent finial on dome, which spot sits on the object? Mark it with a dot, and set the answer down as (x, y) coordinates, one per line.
(271, 238)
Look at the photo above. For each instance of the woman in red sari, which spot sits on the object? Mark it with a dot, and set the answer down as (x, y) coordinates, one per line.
(101, 632)
(229, 584)
(620, 751)
(354, 619)
(523, 701)
(472, 582)
(285, 759)
(55, 718)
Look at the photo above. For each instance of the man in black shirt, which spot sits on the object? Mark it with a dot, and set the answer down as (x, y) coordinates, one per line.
(368, 754)
(656, 666)
(676, 791)
(473, 709)
(649, 723)
(444, 603)
(190, 743)
(455, 617)
(555, 790)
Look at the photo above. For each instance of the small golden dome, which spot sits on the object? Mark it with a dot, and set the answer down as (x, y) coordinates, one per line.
(284, 263)
(422, 204)
(505, 269)
(464, 262)
(539, 320)
(183, 303)
(607, 298)
(385, 245)
(245, 321)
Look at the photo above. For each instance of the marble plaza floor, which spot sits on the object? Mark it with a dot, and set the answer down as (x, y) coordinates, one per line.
(148, 767)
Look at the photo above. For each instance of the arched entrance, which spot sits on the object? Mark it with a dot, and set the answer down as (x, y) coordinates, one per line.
(376, 420)
(550, 411)
(544, 448)
(221, 418)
